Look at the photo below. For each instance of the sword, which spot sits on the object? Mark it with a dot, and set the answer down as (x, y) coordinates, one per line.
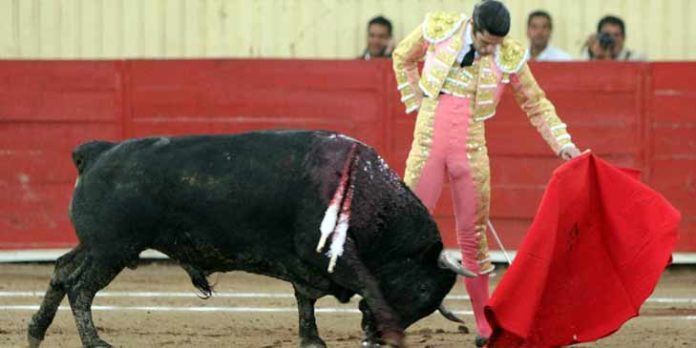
(500, 243)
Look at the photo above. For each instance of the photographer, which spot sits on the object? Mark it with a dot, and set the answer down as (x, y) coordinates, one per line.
(608, 42)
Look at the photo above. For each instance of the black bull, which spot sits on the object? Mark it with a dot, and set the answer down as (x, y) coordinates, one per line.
(251, 202)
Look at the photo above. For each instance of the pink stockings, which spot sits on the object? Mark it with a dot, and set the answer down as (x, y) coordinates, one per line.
(449, 155)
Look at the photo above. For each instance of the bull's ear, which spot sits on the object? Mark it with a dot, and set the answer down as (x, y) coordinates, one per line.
(432, 252)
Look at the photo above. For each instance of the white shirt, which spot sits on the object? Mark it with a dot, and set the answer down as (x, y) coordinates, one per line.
(550, 54)
(468, 40)
(631, 55)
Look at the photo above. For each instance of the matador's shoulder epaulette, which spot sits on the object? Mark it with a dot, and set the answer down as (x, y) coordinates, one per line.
(510, 56)
(440, 26)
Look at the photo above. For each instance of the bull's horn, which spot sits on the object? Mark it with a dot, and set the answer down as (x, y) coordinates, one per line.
(447, 262)
(448, 314)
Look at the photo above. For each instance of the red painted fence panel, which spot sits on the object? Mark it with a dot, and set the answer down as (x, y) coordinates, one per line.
(671, 145)
(635, 115)
(46, 109)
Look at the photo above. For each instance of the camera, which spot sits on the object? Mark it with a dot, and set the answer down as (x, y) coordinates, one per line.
(606, 40)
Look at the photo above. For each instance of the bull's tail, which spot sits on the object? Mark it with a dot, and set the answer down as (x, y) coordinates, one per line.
(199, 280)
(337, 216)
(86, 154)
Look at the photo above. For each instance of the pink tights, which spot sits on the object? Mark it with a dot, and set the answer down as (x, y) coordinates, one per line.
(448, 156)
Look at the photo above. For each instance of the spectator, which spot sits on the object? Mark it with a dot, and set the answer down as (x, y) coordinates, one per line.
(608, 42)
(539, 28)
(379, 39)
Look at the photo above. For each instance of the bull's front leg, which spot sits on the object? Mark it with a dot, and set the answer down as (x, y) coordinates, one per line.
(352, 273)
(369, 326)
(309, 335)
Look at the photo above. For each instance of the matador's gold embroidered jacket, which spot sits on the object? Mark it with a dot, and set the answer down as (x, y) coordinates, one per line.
(438, 40)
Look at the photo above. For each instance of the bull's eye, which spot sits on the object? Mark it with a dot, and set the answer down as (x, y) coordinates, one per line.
(423, 288)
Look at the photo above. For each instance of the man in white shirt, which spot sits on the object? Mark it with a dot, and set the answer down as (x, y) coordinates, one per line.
(379, 39)
(539, 28)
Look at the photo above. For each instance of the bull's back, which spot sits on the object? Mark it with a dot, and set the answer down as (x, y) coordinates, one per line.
(210, 193)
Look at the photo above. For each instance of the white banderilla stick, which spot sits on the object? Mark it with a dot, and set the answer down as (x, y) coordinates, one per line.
(500, 243)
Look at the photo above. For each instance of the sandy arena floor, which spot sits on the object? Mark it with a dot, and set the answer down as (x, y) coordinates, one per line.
(155, 306)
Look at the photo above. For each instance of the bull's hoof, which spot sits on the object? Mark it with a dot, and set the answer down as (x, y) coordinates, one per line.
(98, 343)
(371, 343)
(394, 338)
(34, 342)
(315, 342)
(34, 333)
(481, 341)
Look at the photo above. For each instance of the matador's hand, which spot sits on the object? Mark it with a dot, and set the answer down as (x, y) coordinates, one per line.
(569, 153)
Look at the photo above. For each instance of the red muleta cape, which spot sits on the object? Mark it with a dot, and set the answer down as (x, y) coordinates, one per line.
(593, 255)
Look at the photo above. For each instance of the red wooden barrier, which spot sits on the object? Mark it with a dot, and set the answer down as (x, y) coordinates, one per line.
(637, 115)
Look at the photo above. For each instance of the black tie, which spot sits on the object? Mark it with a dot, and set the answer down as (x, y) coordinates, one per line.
(469, 57)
